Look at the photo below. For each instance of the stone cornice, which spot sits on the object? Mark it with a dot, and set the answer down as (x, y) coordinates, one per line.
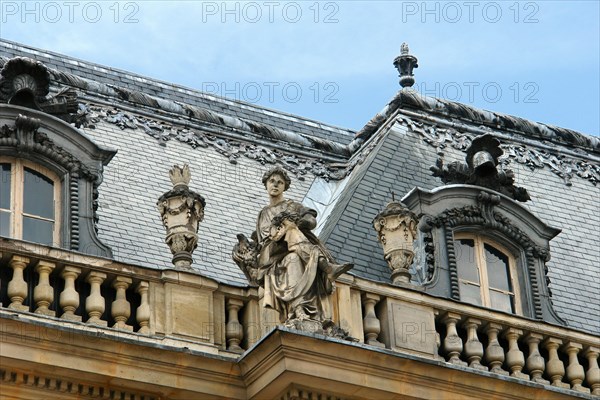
(349, 368)
(93, 361)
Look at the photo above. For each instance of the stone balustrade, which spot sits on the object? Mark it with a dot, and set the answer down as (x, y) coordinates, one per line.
(73, 292)
(182, 308)
(522, 349)
(481, 339)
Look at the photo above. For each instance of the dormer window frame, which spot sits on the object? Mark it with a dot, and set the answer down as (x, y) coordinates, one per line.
(480, 240)
(460, 208)
(17, 198)
(69, 157)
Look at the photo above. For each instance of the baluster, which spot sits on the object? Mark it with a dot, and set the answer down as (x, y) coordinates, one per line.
(535, 362)
(438, 340)
(592, 377)
(69, 298)
(120, 308)
(575, 371)
(494, 353)
(95, 303)
(371, 324)
(17, 287)
(233, 330)
(473, 347)
(515, 360)
(142, 314)
(453, 344)
(554, 366)
(43, 293)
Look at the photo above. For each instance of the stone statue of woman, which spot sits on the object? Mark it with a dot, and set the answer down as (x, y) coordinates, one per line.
(295, 270)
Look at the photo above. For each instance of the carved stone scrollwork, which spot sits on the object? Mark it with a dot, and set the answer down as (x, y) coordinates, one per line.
(564, 167)
(396, 228)
(181, 210)
(24, 135)
(482, 160)
(484, 215)
(26, 82)
(90, 115)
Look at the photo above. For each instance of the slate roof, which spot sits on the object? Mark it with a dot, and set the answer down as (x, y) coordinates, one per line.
(383, 161)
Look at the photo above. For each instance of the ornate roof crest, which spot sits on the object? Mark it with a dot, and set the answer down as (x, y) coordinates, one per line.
(481, 169)
(26, 82)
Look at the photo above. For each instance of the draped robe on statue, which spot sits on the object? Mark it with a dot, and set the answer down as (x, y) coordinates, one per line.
(294, 284)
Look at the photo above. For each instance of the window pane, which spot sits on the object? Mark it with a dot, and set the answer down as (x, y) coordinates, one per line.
(497, 267)
(37, 230)
(501, 301)
(38, 193)
(4, 223)
(465, 260)
(5, 186)
(470, 293)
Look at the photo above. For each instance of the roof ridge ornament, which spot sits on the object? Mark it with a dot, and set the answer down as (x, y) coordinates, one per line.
(26, 82)
(405, 63)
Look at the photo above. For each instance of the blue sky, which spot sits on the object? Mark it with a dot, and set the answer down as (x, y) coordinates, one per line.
(332, 60)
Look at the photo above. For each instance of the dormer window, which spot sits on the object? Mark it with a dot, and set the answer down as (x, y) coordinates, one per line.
(29, 202)
(486, 273)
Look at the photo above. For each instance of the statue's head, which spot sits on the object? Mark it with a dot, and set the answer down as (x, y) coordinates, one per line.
(277, 171)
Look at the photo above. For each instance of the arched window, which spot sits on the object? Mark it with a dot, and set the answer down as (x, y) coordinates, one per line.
(487, 274)
(29, 202)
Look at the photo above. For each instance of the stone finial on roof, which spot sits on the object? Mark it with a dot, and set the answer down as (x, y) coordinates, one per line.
(405, 63)
(181, 210)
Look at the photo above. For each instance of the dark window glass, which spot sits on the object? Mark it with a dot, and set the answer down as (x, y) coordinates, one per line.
(4, 223)
(38, 194)
(37, 230)
(470, 293)
(497, 268)
(5, 186)
(465, 260)
(501, 301)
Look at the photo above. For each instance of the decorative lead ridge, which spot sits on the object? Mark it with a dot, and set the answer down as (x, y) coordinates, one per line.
(407, 99)
(65, 101)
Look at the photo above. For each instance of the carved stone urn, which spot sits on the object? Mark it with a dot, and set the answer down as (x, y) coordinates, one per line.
(396, 228)
(181, 210)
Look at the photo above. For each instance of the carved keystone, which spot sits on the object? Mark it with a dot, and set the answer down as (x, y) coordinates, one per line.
(181, 210)
(396, 228)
